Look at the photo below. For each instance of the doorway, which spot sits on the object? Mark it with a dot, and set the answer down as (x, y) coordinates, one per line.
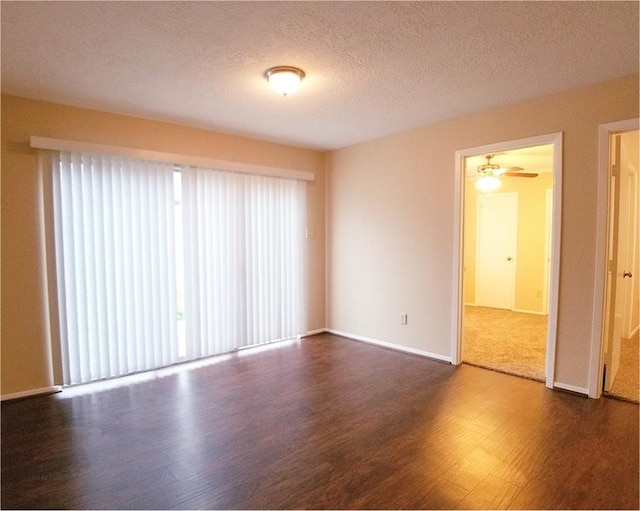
(533, 292)
(504, 319)
(620, 332)
(603, 242)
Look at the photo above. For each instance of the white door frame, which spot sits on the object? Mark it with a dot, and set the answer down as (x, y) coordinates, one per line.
(596, 364)
(458, 214)
(548, 218)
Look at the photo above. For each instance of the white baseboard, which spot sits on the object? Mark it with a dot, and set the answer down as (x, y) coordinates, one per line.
(31, 393)
(634, 333)
(388, 345)
(314, 332)
(571, 388)
(524, 311)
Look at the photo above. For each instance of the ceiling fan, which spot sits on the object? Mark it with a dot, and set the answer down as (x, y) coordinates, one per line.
(490, 172)
(492, 169)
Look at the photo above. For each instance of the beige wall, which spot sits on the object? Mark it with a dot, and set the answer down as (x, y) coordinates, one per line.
(25, 335)
(389, 216)
(390, 219)
(530, 256)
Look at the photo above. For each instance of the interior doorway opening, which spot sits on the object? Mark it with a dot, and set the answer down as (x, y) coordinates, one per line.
(506, 262)
(621, 321)
(509, 244)
(599, 338)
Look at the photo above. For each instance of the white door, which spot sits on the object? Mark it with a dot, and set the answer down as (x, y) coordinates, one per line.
(616, 260)
(629, 146)
(496, 250)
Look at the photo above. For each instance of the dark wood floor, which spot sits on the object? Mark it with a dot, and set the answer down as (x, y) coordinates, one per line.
(323, 423)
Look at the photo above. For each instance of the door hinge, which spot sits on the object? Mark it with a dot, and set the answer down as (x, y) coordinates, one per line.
(615, 170)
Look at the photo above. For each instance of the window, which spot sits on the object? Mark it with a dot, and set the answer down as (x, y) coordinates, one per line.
(157, 264)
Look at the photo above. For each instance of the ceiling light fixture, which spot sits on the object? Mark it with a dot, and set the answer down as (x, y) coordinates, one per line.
(284, 79)
(488, 183)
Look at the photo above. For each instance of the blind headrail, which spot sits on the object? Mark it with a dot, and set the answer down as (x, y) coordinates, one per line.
(56, 144)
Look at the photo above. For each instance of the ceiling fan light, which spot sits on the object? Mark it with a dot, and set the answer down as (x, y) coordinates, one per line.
(284, 80)
(488, 183)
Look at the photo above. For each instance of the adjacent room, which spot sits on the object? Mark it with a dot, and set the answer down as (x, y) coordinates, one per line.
(507, 251)
(328, 255)
(620, 337)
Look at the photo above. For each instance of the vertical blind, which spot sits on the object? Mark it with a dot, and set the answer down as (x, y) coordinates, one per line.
(245, 259)
(115, 265)
(144, 254)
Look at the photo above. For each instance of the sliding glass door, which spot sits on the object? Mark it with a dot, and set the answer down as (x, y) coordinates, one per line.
(157, 264)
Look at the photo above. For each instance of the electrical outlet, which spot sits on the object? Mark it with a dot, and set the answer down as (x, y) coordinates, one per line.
(403, 319)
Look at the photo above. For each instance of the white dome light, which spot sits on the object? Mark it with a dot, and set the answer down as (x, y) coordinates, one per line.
(488, 183)
(284, 79)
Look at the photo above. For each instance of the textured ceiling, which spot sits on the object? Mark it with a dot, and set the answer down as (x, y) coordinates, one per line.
(373, 68)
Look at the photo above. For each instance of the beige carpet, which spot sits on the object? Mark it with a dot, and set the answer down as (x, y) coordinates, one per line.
(515, 343)
(626, 385)
(506, 341)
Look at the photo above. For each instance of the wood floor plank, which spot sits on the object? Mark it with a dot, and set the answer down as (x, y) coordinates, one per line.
(490, 493)
(323, 423)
